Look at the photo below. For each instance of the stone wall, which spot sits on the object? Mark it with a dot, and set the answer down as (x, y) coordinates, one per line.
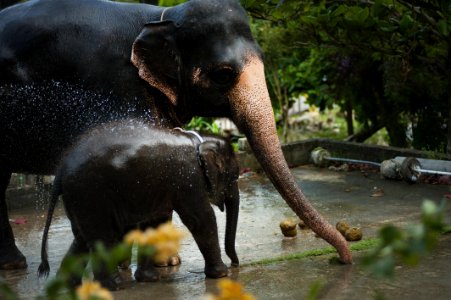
(25, 190)
(298, 153)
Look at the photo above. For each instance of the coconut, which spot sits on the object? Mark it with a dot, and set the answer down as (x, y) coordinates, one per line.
(288, 228)
(342, 226)
(353, 234)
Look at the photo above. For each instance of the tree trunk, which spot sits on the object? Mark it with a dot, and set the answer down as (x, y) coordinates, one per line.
(349, 117)
(448, 68)
(365, 133)
(396, 130)
(285, 108)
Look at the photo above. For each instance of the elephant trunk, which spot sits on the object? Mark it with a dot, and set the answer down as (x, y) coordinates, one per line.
(252, 113)
(232, 204)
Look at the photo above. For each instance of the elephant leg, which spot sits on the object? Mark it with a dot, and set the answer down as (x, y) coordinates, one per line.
(101, 273)
(125, 264)
(107, 278)
(201, 222)
(171, 261)
(146, 272)
(10, 256)
(109, 237)
(77, 248)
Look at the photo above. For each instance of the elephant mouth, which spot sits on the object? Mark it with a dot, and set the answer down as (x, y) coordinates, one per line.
(203, 106)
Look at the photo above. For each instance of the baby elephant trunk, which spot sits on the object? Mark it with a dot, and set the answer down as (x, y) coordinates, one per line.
(232, 204)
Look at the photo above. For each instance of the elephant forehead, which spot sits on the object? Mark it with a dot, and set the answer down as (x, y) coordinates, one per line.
(233, 51)
(199, 10)
(213, 19)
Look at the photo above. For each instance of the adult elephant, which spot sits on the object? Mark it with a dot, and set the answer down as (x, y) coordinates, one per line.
(168, 64)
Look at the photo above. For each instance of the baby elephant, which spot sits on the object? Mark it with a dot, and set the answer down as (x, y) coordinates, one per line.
(126, 174)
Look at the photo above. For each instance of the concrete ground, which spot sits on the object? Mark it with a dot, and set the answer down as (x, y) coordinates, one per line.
(337, 195)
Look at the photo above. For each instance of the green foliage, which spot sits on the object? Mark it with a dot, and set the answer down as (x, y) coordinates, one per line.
(407, 245)
(357, 246)
(203, 124)
(6, 292)
(170, 2)
(59, 287)
(385, 60)
(314, 290)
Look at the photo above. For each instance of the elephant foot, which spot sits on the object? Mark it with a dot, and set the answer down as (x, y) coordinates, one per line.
(125, 264)
(112, 282)
(216, 271)
(146, 275)
(12, 259)
(171, 261)
(73, 281)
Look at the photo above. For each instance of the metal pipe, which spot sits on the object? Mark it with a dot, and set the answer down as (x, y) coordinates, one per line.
(353, 161)
(319, 157)
(432, 172)
(407, 168)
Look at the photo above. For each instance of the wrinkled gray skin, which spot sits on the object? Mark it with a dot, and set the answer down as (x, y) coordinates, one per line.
(126, 174)
(194, 59)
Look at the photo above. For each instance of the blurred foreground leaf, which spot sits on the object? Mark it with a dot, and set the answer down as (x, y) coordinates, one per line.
(407, 245)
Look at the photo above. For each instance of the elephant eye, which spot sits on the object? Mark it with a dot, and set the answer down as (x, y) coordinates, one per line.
(223, 76)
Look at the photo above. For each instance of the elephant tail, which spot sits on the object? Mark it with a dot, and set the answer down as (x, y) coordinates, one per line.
(44, 267)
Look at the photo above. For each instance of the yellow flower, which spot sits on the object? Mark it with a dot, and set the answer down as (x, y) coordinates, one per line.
(134, 236)
(230, 290)
(165, 239)
(93, 290)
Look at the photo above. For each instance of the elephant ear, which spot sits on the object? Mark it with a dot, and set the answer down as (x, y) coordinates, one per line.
(157, 58)
(212, 164)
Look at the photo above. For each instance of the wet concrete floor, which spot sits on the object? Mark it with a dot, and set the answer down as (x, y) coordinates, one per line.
(337, 195)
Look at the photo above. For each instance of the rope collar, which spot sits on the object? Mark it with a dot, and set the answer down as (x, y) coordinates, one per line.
(197, 147)
(198, 137)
